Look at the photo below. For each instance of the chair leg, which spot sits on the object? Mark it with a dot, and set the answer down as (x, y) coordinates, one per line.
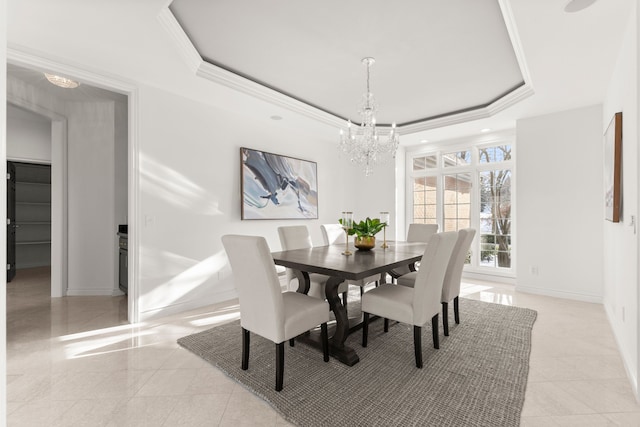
(292, 342)
(325, 341)
(417, 345)
(365, 329)
(386, 325)
(456, 310)
(445, 318)
(361, 290)
(245, 349)
(279, 365)
(344, 299)
(434, 327)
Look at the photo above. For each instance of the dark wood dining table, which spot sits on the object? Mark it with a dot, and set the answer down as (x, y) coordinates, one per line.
(330, 261)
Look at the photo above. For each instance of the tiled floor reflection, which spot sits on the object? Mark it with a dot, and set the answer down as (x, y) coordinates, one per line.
(76, 362)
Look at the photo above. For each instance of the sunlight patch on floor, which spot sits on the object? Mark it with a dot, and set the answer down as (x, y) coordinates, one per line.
(103, 331)
(467, 289)
(216, 320)
(91, 348)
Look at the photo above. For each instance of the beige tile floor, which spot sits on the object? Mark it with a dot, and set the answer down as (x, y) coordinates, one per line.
(76, 362)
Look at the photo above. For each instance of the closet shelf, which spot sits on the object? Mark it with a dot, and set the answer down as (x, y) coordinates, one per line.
(34, 203)
(48, 184)
(34, 242)
(33, 223)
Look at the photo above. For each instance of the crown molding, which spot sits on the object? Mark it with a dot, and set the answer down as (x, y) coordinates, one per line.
(242, 84)
(169, 22)
(512, 30)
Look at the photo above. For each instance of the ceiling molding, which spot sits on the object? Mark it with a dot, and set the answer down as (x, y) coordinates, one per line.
(242, 84)
(169, 22)
(510, 23)
(510, 99)
(248, 86)
(448, 120)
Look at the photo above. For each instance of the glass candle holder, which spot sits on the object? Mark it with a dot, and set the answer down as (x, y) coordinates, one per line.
(347, 224)
(384, 217)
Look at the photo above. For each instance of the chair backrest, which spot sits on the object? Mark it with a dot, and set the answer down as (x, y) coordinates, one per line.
(256, 280)
(294, 237)
(453, 275)
(333, 234)
(417, 233)
(428, 285)
(421, 232)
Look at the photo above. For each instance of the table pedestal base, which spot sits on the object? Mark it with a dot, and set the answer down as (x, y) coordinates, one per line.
(343, 328)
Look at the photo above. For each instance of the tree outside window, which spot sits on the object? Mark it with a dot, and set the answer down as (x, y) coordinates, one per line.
(495, 208)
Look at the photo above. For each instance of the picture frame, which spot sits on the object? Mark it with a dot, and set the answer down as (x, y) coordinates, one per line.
(275, 186)
(613, 169)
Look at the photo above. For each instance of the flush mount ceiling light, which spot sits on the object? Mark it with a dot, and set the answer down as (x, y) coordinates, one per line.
(61, 81)
(577, 5)
(362, 144)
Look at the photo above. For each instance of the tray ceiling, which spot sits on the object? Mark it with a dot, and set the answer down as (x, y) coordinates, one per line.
(436, 62)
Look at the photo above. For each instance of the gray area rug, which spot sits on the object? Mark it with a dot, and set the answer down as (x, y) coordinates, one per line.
(478, 376)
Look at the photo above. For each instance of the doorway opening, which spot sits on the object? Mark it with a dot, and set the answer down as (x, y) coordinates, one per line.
(28, 217)
(88, 153)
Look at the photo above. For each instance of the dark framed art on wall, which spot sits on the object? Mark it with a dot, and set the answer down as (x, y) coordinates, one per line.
(613, 169)
(275, 186)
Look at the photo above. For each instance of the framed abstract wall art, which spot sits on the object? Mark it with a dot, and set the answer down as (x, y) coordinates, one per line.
(277, 187)
(613, 169)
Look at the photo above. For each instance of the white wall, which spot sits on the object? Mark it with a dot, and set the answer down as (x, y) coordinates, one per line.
(3, 207)
(120, 160)
(190, 194)
(90, 198)
(559, 208)
(376, 193)
(28, 136)
(620, 241)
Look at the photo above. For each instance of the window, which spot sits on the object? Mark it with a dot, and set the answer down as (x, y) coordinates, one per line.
(427, 162)
(495, 208)
(457, 158)
(457, 201)
(425, 200)
(469, 187)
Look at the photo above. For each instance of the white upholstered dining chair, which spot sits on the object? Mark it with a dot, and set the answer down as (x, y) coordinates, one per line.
(416, 305)
(333, 234)
(452, 277)
(266, 310)
(416, 233)
(298, 237)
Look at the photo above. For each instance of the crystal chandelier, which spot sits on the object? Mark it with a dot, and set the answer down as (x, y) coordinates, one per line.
(363, 144)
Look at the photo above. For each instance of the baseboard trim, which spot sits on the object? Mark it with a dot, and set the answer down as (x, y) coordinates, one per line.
(471, 275)
(597, 299)
(633, 381)
(187, 305)
(100, 292)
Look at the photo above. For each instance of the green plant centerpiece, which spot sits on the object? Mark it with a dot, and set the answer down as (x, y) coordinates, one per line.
(365, 232)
